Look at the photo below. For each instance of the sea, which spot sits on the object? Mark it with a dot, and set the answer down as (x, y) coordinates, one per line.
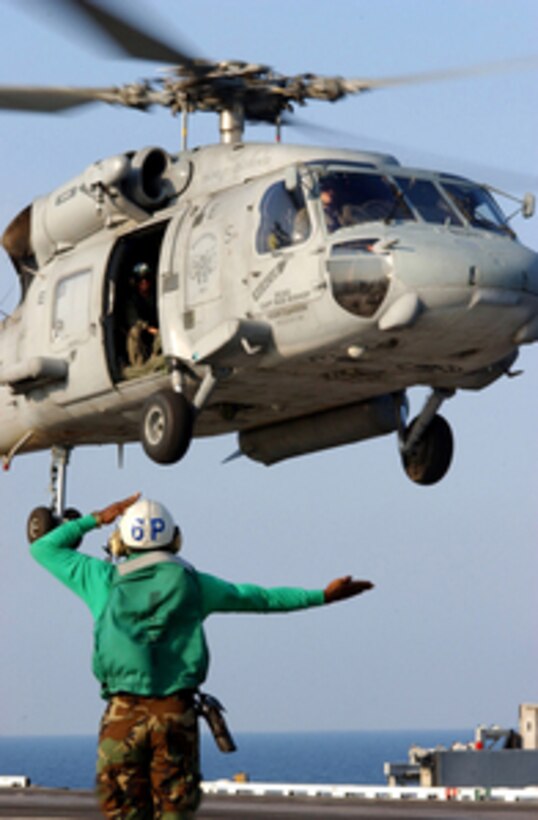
(277, 757)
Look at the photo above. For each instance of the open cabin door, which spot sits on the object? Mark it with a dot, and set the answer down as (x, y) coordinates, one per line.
(135, 249)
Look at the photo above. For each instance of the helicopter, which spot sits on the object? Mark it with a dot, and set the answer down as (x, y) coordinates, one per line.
(293, 294)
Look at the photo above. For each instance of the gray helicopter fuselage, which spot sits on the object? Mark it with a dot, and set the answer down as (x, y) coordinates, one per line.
(422, 283)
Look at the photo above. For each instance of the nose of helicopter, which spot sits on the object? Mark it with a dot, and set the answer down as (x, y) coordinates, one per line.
(507, 265)
(506, 280)
(528, 332)
(485, 288)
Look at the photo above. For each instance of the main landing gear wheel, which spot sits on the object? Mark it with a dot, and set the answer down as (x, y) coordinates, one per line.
(429, 459)
(166, 427)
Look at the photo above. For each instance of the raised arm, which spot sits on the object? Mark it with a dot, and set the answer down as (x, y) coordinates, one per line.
(84, 575)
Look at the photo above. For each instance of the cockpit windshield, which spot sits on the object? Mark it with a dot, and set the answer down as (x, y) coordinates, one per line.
(428, 201)
(477, 206)
(350, 198)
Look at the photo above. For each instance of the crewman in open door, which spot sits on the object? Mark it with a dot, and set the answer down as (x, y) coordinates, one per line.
(143, 337)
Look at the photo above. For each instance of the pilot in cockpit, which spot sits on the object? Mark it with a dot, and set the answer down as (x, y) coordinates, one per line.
(330, 201)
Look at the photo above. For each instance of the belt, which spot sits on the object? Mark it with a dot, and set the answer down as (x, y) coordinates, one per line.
(180, 694)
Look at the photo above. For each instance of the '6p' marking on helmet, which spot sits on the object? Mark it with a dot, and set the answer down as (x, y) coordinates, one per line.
(147, 525)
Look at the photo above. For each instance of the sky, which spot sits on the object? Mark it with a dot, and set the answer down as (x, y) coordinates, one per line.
(448, 638)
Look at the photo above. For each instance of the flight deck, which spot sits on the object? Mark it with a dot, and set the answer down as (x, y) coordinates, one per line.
(35, 802)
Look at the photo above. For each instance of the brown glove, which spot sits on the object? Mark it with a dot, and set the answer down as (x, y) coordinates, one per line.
(345, 587)
(110, 513)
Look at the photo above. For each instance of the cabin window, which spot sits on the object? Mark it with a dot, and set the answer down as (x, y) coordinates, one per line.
(477, 206)
(428, 201)
(284, 219)
(349, 199)
(71, 311)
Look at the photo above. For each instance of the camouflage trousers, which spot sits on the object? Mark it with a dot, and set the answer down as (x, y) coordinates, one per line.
(148, 758)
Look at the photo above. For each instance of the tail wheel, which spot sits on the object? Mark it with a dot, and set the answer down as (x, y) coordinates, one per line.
(167, 426)
(429, 460)
(40, 521)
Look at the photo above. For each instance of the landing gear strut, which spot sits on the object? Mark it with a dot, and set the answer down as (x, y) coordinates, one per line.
(426, 444)
(44, 519)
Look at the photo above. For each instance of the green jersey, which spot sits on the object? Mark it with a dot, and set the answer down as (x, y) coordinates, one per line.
(149, 611)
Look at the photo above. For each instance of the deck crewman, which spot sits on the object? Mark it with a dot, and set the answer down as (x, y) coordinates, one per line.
(150, 653)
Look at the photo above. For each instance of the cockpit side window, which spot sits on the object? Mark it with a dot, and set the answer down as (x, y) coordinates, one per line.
(477, 206)
(428, 201)
(284, 219)
(352, 199)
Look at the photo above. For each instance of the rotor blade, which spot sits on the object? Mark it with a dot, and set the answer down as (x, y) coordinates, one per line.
(41, 99)
(128, 37)
(355, 86)
(511, 180)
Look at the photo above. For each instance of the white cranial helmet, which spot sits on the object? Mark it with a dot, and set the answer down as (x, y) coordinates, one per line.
(147, 525)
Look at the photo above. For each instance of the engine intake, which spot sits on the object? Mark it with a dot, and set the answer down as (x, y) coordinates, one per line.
(146, 183)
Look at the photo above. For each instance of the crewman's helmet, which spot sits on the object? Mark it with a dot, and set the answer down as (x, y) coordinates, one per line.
(141, 271)
(147, 525)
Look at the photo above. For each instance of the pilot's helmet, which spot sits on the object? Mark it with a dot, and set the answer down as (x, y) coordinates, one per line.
(148, 525)
(141, 270)
(328, 184)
